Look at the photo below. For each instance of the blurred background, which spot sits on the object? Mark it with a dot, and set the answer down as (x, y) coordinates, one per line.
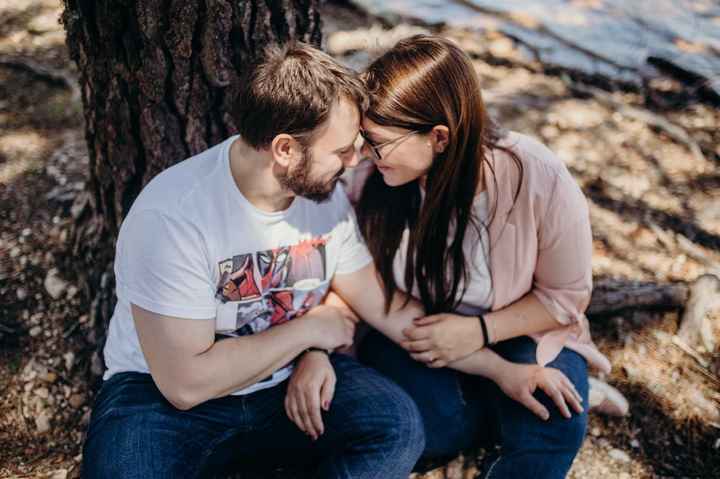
(625, 92)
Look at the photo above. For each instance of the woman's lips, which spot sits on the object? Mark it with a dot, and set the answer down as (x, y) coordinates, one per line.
(383, 168)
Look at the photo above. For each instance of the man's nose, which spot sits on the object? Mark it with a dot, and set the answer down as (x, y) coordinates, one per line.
(354, 159)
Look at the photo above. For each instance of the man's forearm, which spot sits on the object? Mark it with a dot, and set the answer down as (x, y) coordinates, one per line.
(398, 318)
(362, 292)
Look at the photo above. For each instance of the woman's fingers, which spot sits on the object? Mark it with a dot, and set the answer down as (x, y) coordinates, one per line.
(552, 390)
(304, 413)
(327, 391)
(414, 333)
(569, 384)
(291, 408)
(426, 357)
(529, 401)
(427, 320)
(418, 346)
(572, 399)
(312, 400)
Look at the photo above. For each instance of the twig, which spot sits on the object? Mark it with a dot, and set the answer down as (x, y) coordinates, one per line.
(683, 346)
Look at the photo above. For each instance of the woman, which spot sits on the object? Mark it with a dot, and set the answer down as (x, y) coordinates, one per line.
(489, 231)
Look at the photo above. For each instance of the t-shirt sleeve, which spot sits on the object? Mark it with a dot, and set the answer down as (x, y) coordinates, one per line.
(353, 254)
(161, 266)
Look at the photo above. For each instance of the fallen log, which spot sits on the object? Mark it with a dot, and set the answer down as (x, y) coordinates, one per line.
(696, 300)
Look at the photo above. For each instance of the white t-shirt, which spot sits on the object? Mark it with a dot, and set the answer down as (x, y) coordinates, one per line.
(192, 246)
(479, 294)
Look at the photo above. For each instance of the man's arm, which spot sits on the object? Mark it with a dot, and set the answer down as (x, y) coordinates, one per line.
(190, 367)
(362, 291)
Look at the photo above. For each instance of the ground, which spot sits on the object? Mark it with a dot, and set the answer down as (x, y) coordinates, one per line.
(655, 210)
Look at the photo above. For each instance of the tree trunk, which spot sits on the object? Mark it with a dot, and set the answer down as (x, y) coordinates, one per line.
(157, 80)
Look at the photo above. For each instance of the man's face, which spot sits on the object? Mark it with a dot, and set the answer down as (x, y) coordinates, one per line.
(315, 174)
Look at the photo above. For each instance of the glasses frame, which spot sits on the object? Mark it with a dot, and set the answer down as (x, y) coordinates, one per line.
(376, 148)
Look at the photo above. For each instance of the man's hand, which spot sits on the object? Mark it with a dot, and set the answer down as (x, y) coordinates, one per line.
(311, 387)
(329, 327)
(440, 339)
(519, 381)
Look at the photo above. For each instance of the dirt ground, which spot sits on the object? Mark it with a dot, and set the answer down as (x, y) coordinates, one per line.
(655, 209)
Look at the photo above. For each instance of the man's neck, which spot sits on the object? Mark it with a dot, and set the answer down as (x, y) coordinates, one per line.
(252, 171)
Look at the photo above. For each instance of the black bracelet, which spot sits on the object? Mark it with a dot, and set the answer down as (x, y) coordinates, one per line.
(483, 326)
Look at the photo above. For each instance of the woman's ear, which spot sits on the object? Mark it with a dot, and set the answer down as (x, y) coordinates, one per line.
(439, 138)
(283, 148)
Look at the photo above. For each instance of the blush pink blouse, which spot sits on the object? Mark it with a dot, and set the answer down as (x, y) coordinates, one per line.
(542, 244)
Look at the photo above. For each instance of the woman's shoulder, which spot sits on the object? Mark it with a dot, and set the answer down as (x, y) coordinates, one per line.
(542, 169)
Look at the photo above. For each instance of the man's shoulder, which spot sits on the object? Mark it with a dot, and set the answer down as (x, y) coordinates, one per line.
(185, 182)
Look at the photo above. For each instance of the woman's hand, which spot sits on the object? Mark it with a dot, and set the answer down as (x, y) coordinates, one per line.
(311, 387)
(440, 339)
(519, 381)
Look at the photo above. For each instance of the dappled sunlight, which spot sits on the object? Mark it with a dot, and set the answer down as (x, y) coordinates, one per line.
(22, 152)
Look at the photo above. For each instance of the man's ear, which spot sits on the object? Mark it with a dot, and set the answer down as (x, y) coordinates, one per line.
(283, 148)
(439, 138)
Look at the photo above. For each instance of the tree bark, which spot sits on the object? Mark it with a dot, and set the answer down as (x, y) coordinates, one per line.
(157, 79)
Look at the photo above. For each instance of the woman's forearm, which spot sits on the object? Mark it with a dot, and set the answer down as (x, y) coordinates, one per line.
(523, 317)
(484, 362)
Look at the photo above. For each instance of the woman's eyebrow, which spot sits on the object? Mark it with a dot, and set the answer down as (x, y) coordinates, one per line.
(373, 136)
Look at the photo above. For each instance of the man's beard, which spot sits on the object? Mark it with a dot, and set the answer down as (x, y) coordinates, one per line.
(300, 183)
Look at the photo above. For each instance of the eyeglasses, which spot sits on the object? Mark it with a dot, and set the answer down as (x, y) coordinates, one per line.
(375, 149)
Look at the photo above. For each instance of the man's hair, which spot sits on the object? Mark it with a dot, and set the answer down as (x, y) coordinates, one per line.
(291, 90)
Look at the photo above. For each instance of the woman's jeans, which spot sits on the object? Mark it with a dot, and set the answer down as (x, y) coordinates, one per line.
(372, 430)
(460, 411)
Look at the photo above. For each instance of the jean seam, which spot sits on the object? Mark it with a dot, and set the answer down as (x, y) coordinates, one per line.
(461, 393)
(209, 450)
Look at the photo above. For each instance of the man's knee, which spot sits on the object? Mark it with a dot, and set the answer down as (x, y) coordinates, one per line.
(380, 409)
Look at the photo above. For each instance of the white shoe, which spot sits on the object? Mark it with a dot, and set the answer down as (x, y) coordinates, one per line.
(605, 399)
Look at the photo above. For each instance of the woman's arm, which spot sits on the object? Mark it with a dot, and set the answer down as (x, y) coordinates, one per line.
(562, 285)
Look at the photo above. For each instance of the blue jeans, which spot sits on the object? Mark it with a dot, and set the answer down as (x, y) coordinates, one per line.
(461, 411)
(373, 430)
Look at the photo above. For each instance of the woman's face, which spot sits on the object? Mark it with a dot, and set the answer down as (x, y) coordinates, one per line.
(407, 157)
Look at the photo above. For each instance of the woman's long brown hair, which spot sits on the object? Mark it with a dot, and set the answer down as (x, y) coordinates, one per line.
(424, 81)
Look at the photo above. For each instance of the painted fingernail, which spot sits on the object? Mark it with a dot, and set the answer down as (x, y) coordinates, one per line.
(325, 405)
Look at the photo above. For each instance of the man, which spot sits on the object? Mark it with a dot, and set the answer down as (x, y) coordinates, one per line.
(221, 264)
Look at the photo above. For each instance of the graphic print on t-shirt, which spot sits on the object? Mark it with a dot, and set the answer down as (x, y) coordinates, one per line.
(270, 287)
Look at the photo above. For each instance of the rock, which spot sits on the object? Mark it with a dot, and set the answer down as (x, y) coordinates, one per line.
(59, 474)
(54, 285)
(71, 292)
(42, 393)
(76, 400)
(44, 23)
(21, 294)
(35, 331)
(85, 419)
(49, 377)
(619, 455)
(635, 444)
(595, 431)
(96, 366)
(42, 422)
(69, 358)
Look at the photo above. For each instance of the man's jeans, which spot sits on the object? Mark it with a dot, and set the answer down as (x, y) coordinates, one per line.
(373, 430)
(460, 411)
